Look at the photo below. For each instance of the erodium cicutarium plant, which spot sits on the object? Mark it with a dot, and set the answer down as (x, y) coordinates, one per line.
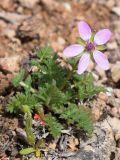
(54, 93)
(89, 47)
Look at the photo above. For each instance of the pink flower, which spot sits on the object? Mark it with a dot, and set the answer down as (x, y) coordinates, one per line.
(89, 47)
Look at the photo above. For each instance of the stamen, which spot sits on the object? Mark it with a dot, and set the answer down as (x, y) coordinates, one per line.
(90, 46)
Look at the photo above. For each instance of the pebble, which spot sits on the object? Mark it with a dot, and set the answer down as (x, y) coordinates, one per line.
(110, 3)
(114, 123)
(115, 72)
(117, 92)
(96, 113)
(116, 10)
(67, 6)
(28, 3)
(109, 91)
(61, 41)
(103, 96)
(9, 33)
(112, 45)
(10, 63)
(8, 5)
(114, 102)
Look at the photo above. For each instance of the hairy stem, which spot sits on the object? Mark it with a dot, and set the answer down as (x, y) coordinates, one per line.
(27, 87)
(69, 76)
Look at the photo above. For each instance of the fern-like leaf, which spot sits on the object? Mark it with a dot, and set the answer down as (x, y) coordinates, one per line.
(44, 52)
(85, 87)
(20, 99)
(51, 95)
(18, 78)
(53, 126)
(78, 116)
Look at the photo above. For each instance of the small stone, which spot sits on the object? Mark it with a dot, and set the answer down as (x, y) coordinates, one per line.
(9, 33)
(4, 81)
(117, 136)
(51, 4)
(20, 9)
(114, 111)
(72, 143)
(114, 102)
(118, 153)
(110, 4)
(21, 135)
(115, 72)
(114, 123)
(117, 92)
(96, 113)
(109, 91)
(12, 17)
(7, 5)
(116, 10)
(67, 6)
(103, 96)
(61, 41)
(11, 63)
(3, 25)
(28, 3)
(52, 146)
(112, 45)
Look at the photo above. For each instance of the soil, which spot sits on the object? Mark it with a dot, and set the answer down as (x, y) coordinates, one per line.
(25, 25)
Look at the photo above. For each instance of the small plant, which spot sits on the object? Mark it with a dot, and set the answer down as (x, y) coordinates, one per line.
(30, 136)
(57, 93)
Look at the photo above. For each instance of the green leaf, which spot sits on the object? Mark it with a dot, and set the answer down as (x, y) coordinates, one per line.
(28, 129)
(79, 117)
(53, 96)
(38, 144)
(80, 41)
(53, 126)
(20, 99)
(44, 52)
(100, 47)
(18, 78)
(25, 108)
(28, 81)
(92, 37)
(26, 151)
(85, 86)
(42, 89)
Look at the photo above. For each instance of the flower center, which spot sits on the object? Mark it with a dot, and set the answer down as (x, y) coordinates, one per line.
(90, 46)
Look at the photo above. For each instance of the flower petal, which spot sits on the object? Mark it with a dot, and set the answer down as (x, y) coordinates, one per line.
(84, 30)
(101, 59)
(83, 63)
(102, 36)
(73, 50)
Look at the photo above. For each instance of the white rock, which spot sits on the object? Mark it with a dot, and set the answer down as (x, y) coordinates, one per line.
(61, 40)
(116, 10)
(67, 6)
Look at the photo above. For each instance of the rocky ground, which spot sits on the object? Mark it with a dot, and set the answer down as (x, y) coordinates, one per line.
(27, 24)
